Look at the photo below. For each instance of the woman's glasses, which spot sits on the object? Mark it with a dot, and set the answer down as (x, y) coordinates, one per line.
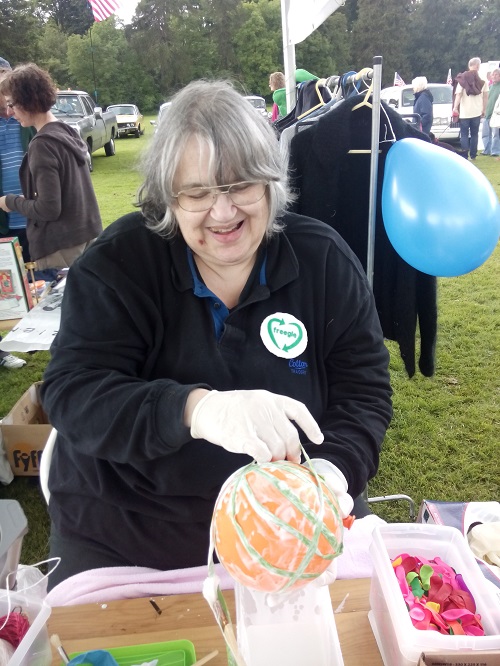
(198, 199)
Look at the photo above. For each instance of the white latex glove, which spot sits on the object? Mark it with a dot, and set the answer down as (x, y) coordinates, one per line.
(337, 483)
(256, 422)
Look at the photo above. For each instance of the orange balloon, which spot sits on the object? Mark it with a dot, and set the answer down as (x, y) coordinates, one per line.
(270, 529)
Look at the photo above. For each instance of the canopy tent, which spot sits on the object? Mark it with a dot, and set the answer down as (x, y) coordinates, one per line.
(298, 20)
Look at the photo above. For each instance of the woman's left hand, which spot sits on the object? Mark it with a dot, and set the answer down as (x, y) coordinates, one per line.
(3, 205)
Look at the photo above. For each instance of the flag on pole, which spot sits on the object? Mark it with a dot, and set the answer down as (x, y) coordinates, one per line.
(398, 81)
(449, 80)
(101, 9)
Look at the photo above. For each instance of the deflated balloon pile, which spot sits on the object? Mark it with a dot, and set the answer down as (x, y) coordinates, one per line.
(436, 596)
(276, 526)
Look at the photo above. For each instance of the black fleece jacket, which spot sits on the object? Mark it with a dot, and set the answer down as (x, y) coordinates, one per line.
(135, 340)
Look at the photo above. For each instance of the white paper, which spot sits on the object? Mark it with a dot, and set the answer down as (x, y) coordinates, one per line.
(38, 328)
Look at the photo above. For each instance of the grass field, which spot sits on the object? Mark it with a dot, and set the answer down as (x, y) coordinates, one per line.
(444, 437)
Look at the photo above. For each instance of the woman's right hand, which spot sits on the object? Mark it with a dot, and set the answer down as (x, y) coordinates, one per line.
(256, 422)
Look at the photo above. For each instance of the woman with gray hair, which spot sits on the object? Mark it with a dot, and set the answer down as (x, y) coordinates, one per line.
(423, 102)
(209, 329)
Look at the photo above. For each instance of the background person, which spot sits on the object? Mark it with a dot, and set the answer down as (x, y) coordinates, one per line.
(14, 141)
(491, 135)
(10, 361)
(423, 103)
(277, 85)
(206, 330)
(471, 95)
(59, 200)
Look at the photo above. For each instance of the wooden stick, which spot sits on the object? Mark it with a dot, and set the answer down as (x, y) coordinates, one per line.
(207, 658)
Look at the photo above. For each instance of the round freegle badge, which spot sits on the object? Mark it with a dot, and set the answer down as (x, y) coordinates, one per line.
(283, 335)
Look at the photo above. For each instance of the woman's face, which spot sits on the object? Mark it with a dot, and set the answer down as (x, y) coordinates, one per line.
(226, 234)
(23, 117)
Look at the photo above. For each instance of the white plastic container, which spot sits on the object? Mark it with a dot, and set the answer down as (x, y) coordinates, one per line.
(299, 631)
(399, 642)
(34, 649)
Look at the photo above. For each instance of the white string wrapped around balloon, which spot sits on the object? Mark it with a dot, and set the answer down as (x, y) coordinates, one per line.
(276, 526)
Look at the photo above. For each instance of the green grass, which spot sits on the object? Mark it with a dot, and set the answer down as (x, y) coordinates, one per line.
(443, 441)
(117, 178)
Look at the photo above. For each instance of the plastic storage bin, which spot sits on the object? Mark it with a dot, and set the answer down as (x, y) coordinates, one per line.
(34, 649)
(400, 644)
(299, 631)
(13, 527)
(168, 653)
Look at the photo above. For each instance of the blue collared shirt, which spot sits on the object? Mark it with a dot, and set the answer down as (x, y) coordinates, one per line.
(218, 309)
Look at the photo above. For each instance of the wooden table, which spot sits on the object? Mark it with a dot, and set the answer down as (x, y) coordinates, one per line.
(188, 616)
(8, 324)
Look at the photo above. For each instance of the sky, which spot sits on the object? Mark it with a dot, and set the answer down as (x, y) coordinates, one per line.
(127, 10)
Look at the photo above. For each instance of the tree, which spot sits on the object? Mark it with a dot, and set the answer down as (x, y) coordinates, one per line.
(255, 47)
(382, 29)
(326, 51)
(19, 31)
(434, 42)
(170, 41)
(73, 17)
(53, 54)
(221, 20)
(108, 69)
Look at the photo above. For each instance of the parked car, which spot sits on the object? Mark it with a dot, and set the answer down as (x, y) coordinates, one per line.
(130, 119)
(162, 110)
(444, 127)
(259, 103)
(97, 128)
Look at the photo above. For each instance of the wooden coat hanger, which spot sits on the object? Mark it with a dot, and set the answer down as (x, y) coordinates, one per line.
(319, 82)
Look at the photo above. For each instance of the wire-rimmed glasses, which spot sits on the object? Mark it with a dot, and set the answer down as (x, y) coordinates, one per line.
(198, 199)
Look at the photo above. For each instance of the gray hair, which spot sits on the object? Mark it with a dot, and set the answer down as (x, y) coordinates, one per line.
(241, 143)
(474, 62)
(419, 83)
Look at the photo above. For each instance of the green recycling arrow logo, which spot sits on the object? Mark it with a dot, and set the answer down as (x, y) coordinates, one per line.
(283, 335)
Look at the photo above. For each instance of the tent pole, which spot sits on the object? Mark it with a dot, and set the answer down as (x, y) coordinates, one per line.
(377, 80)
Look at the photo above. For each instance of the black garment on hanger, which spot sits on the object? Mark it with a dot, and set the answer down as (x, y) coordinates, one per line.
(308, 96)
(334, 186)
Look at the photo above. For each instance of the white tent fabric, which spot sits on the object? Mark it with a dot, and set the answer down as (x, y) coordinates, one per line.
(298, 20)
(304, 17)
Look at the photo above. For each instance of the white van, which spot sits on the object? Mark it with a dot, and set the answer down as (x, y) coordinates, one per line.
(443, 127)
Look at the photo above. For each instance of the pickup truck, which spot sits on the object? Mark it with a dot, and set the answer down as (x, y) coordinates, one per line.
(97, 128)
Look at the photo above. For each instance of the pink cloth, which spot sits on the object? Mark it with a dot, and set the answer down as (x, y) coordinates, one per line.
(275, 112)
(114, 583)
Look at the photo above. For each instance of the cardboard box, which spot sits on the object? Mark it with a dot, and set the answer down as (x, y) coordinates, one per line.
(25, 431)
(15, 295)
(399, 642)
(460, 659)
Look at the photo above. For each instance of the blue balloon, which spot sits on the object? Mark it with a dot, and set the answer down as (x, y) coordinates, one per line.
(440, 212)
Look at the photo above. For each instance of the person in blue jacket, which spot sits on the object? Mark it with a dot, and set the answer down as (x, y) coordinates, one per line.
(209, 329)
(423, 102)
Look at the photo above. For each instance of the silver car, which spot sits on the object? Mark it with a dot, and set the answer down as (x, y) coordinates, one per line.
(259, 103)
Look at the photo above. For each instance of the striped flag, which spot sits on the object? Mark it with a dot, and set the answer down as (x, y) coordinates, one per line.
(449, 80)
(398, 81)
(101, 9)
